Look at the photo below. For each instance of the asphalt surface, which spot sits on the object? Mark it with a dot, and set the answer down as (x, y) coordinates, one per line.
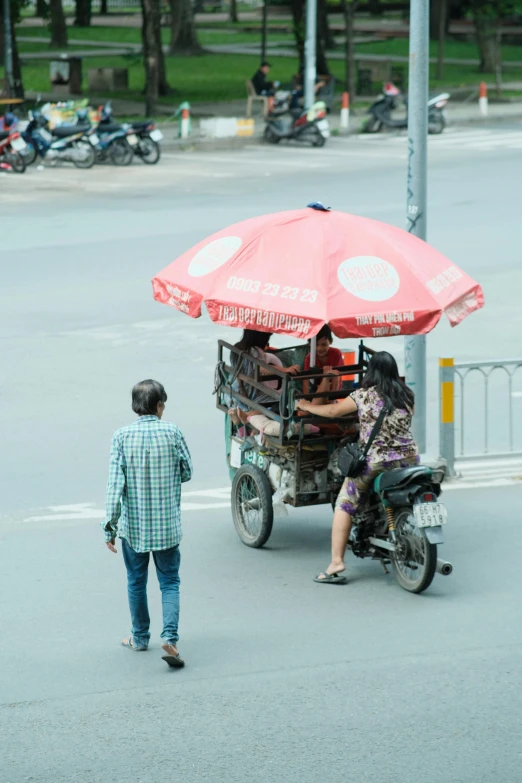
(286, 680)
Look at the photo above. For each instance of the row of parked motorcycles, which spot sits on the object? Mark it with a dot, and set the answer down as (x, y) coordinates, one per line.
(82, 143)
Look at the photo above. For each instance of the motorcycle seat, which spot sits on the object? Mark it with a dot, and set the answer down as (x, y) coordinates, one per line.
(63, 131)
(141, 125)
(4, 135)
(394, 478)
(109, 127)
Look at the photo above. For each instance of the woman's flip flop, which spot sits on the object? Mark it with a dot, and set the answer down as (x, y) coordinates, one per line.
(330, 579)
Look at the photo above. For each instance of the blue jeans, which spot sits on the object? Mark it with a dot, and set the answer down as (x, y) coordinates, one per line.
(167, 570)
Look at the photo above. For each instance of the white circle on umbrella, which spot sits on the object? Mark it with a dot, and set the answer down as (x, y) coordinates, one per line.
(369, 277)
(214, 255)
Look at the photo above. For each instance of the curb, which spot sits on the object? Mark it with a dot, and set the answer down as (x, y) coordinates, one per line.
(196, 144)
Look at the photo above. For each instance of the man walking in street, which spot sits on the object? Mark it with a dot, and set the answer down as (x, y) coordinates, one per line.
(149, 462)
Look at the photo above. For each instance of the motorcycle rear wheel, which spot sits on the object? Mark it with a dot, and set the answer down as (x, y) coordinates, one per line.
(89, 157)
(436, 122)
(415, 559)
(271, 137)
(319, 139)
(121, 152)
(373, 125)
(31, 155)
(16, 161)
(149, 151)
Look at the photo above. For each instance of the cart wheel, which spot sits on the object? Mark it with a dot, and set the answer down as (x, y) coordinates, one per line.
(252, 508)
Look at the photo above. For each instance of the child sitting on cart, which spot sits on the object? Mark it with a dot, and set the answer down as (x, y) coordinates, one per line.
(254, 344)
(326, 358)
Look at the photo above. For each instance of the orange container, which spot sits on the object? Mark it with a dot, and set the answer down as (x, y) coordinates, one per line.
(349, 358)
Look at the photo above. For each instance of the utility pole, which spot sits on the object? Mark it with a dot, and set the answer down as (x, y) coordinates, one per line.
(8, 48)
(310, 69)
(263, 31)
(416, 219)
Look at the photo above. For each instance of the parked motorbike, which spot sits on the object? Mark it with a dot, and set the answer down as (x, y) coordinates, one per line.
(403, 526)
(72, 143)
(381, 110)
(309, 126)
(11, 148)
(142, 136)
(10, 122)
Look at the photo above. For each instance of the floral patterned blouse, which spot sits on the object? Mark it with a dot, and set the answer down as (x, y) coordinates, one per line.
(395, 440)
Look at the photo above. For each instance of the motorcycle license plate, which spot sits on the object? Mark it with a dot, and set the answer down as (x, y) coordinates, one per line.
(324, 128)
(156, 135)
(94, 139)
(133, 140)
(430, 514)
(18, 145)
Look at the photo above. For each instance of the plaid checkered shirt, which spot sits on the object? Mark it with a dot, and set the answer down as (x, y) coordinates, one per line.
(149, 462)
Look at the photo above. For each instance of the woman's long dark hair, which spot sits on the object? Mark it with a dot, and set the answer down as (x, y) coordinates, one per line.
(383, 375)
(253, 339)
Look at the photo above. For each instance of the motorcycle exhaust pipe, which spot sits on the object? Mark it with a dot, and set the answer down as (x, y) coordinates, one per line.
(444, 568)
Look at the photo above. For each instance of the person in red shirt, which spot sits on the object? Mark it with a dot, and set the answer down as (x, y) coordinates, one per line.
(326, 358)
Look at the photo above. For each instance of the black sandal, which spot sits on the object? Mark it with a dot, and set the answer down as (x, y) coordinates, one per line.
(331, 579)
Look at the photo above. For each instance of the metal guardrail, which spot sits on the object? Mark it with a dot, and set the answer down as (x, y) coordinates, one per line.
(449, 372)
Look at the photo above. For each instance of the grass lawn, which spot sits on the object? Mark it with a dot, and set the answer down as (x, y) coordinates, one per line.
(213, 77)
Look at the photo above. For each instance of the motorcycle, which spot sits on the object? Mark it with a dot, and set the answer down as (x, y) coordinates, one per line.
(11, 151)
(403, 526)
(142, 136)
(72, 143)
(381, 110)
(310, 125)
(10, 122)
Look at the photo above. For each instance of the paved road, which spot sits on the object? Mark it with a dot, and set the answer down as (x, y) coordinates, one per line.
(287, 680)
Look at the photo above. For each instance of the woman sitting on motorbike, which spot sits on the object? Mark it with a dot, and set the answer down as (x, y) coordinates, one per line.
(254, 344)
(393, 447)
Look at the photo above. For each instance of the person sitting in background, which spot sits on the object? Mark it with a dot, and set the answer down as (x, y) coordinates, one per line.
(326, 358)
(261, 84)
(253, 343)
(298, 91)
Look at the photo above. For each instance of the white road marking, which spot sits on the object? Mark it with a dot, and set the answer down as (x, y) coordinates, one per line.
(482, 474)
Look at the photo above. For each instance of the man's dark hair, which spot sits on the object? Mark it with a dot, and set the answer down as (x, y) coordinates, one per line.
(265, 64)
(146, 396)
(325, 331)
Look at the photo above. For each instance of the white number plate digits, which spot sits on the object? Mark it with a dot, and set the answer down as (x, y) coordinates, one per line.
(430, 514)
(156, 135)
(18, 144)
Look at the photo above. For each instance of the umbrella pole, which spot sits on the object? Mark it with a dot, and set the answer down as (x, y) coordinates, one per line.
(313, 348)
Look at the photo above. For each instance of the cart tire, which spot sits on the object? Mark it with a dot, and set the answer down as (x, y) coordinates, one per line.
(252, 508)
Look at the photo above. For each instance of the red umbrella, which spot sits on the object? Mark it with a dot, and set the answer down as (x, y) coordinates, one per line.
(292, 272)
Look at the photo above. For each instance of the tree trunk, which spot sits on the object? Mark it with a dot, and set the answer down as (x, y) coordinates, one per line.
(299, 29)
(163, 87)
(443, 13)
(83, 13)
(175, 24)
(323, 26)
(321, 63)
(233, 12)
(487, 43)
(349, 9)
(42, 9)
(103, 8)
(57, 25)
(187, 41)
(17, 68)
(150, 55)
(376, 7)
